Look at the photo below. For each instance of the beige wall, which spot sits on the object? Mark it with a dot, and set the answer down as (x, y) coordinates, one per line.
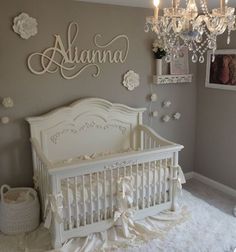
(216, 124)
(34, 95)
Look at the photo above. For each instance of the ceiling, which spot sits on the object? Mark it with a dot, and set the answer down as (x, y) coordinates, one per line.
(148, 3)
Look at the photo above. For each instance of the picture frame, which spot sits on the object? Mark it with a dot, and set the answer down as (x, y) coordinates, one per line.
(221, 73)
(180, 66)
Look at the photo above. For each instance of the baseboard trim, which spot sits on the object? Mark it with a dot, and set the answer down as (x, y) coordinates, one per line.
(189, 175)
(221, 187)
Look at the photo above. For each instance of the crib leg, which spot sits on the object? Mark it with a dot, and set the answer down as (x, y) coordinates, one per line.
(55, 235)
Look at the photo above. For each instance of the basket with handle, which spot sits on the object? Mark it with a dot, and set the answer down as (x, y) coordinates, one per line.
(18, 215)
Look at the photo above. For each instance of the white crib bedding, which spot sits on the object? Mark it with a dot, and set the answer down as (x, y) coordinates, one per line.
(108, 185)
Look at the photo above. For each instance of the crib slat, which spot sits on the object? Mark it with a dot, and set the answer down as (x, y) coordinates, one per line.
(111, 182)
(137, 189)
(91, 198)
(143, 185)
(131, 174)
(84, 204)
(159, 181)
(98, 200)
(68, 203)
(155, 181)
(105, 196)
(165, 179)
(148, 201)
(76, 203)
(171, 179)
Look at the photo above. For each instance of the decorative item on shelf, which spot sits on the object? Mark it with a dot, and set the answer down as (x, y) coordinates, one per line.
(166, 104)
(131, 80)
(7, 102)
(25, 26)
(155, 113)
(159, 53)
(180, 65)
(170, 79)
(166, 118)
(221, 73)
(198, 30)
(176, 116)
(153, 97)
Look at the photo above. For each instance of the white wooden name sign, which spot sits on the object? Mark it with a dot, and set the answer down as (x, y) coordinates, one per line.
(71, 62)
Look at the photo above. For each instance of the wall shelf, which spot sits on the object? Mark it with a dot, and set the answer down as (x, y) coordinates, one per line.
(170, 79)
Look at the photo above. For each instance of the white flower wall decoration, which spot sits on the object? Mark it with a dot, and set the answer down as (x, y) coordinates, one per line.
(131, 80)
(7, 102)
(25, 26)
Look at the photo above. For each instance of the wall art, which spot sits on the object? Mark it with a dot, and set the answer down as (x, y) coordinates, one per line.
(180, 65)
(70, 61)
(25, 26)
(221, 70)
(131, 80)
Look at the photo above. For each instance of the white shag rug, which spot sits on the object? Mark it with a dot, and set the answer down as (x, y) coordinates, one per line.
(200, 228)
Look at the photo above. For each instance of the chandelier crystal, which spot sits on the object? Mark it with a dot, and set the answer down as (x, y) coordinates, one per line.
(180, 27)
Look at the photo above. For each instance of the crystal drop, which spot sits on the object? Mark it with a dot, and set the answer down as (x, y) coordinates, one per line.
(213, 58)
(212, 44)
(199, 38)
(194, 58)
(228, 40)
(146, 28)
(201, 59)
(190, 47)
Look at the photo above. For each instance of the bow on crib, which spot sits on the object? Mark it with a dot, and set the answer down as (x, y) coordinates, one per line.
(124, 215)
(180, 178)
(53, 207)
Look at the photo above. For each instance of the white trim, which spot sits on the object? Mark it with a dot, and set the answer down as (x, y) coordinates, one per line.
(221, 187)
(189, 175)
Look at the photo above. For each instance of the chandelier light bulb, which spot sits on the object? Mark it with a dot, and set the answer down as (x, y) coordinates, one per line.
(156, 3)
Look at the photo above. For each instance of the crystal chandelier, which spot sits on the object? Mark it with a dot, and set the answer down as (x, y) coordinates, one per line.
(180, 27)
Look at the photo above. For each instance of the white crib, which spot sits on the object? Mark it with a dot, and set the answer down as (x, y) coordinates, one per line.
(78, 188)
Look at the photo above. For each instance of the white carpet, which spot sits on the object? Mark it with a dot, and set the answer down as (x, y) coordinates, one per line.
(205, 229)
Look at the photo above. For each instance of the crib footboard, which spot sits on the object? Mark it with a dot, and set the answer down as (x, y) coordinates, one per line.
(86, 197)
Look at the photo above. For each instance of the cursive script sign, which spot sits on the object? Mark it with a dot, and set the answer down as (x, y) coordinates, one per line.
(71, 62)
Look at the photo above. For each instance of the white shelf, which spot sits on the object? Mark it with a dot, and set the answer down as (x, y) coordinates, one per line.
(170, 79)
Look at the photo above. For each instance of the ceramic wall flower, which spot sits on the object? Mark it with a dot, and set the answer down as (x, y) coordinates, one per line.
(25, 26)
(131, 80)
(177, 116)
(153, 97)
(166, 118)
(7, 102)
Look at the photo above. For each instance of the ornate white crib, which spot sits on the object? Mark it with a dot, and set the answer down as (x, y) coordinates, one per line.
(80, 152)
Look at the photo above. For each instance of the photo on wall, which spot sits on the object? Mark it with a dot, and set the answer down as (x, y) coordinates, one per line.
(221, 73)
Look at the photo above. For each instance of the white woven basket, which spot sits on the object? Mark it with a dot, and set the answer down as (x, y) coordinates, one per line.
(18, 217)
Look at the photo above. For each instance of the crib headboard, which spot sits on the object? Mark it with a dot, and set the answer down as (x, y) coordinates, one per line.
(85, 127)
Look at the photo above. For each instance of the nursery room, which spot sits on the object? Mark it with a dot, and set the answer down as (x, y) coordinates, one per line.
(117, 125)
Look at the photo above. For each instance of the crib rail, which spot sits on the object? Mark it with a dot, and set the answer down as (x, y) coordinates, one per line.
(93, 197)
(149, 139)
